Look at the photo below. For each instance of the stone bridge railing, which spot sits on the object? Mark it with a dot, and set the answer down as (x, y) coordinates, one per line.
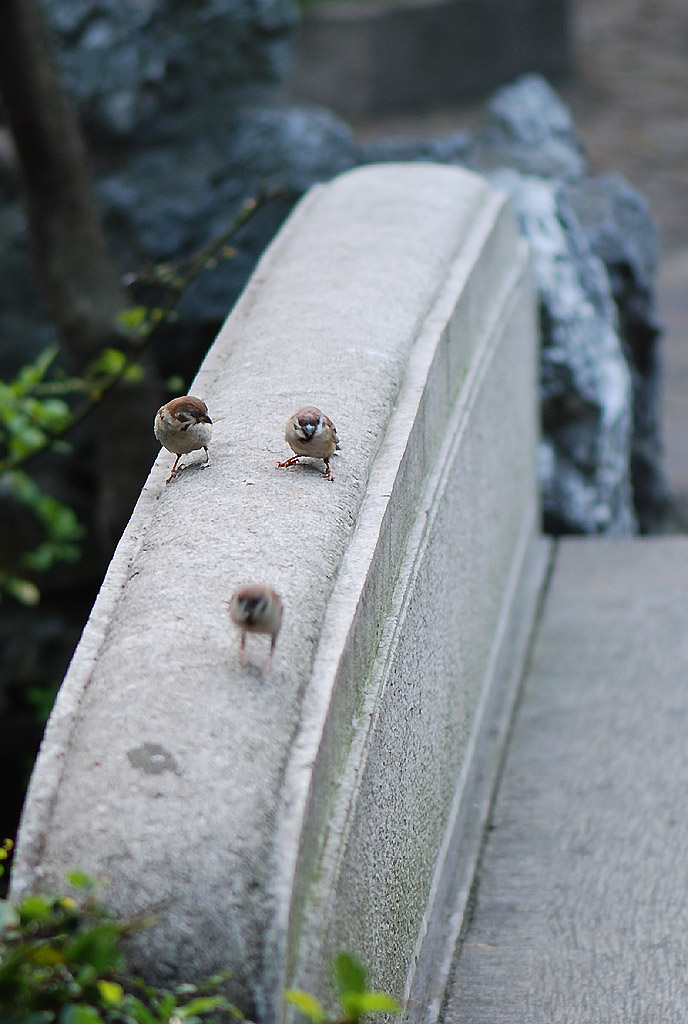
(268, 818)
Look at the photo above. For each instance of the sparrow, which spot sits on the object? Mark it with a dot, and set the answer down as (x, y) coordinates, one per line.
(310, 432)
(183, 426)
(256, 609)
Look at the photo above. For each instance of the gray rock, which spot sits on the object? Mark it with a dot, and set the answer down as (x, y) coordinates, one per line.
(618, 224)
(453, 148)
(193, 92)
(527, 127)
(613, 236)
(585, 384)
(595, 255)
(142, 67)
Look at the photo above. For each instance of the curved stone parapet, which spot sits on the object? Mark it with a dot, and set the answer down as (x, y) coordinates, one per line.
(268, 817)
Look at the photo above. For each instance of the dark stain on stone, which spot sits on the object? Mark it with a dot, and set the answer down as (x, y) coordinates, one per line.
(153, 759)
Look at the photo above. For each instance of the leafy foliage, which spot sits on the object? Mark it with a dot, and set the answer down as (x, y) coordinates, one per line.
(61, 963)
(6, 848)
(356, 1000)
(33, 416)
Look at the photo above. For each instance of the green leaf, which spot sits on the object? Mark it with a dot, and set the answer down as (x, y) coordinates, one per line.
(41, 558)
(133, 318)
(358, 1004)
(45, 956)
(98, 947)
(35, 908)
(349, 974)
(80, 880)
(109, 363)
(351, 1006)
(111, 993)
(21, 590)
(204, 1004)
(378, 1002)
(166, 1005)
(306, 1003)
(137, 322)
(138, 1012)
(80, 1014)
(52, 413)
(134, 373)
(26, 439)
(213, 981)
(46, 359)
(34, 372)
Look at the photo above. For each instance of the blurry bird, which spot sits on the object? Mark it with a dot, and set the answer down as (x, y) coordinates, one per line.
(183, 426)
(256, 609)
(309, 432)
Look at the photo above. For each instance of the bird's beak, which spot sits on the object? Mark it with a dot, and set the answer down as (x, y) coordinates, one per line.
(206, 419)
(309, 429)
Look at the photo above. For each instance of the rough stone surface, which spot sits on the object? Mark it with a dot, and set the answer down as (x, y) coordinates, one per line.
(141, 70)
(585, 383)
(577, 915)
(617, 221)
(595, 252)
(528, 128)
(265, 817)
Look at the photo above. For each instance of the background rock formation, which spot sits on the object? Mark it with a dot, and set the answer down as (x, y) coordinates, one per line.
(186, 116)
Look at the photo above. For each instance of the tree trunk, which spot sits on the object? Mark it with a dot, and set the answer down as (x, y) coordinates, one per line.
(76, 271)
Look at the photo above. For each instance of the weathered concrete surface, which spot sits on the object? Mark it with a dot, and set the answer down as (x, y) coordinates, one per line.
(580, 911)
(267, 818)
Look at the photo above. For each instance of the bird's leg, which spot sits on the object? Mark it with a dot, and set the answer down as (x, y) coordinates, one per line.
(174, 469)
(242, 645)
(272, 651)
(207, 457)
(327, 475)
(289, 462)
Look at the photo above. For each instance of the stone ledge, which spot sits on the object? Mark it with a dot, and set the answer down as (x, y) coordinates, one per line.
(314, 807)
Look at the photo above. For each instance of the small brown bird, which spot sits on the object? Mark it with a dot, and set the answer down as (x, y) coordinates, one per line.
(256, 609)
(183, 426)
(309, 432)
